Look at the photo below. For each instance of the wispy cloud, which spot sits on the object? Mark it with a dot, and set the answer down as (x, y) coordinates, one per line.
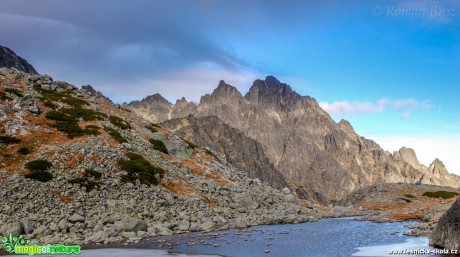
(192, 83)
(404, 106)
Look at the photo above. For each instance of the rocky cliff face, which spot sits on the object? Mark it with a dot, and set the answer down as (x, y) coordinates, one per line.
(447, 233)
(314, 154)
(9, 59)
(238, 149)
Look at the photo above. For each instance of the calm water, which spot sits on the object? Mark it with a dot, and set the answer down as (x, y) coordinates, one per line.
(330, 237)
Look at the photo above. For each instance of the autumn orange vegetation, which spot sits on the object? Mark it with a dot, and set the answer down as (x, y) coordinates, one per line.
(403, 204)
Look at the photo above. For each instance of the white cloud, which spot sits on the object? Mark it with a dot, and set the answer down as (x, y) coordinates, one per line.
(354, 108)
(427, 148)
(192, 83)
(404, 106)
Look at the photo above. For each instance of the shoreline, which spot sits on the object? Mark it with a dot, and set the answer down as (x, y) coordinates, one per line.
(164, 245)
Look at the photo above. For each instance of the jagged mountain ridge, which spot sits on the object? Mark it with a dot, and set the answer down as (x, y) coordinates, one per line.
(9, 59)
(312, 151)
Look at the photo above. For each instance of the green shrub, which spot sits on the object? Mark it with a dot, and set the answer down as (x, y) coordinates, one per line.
(52, 96)
(39, 170)
(58, 116)
(86, 114)
(140, 169)
(91, 130)
(92, 173)
(24, 150)
(159, 145)
(38, 165)
(74, 101)
(119, 122)
(8, 140)
(410, 196)
(116, 135)
(441, 194)
(14, 91)
(71, 128)
(67, 121)
(39, 175)
(48, 103)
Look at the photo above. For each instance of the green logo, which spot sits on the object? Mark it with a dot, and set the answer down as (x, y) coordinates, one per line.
(20, 245)
(10, 242)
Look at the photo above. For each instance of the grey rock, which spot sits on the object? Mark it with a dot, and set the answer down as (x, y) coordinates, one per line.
(286, 191)
(339, 209)
(9, 59)
(63, 225)
(289, 198)
(76, 218)
(14, 228)
(207, 226)
(246, 201)
(447, 232)
(129, 224)
(99, 237)
(436, 212)
(28, 225)
(128, 235)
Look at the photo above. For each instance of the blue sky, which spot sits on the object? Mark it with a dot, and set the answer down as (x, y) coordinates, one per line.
(390, 67)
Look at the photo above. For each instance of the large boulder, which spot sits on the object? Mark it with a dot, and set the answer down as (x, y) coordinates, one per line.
(128, 224)
(447, 233)
(246, 201)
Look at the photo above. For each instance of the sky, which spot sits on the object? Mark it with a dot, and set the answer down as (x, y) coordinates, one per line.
(389, 67)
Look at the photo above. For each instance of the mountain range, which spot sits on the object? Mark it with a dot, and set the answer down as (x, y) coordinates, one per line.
(284, 138)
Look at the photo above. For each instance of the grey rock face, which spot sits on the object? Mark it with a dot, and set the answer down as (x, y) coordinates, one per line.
(447, 232)
(236, 148)
(9, 59)
(408, 155)
(273, 130)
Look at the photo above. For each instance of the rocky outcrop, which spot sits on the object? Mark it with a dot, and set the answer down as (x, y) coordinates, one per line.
(408, 155)
(447, 233)
(239, 150)
(91, 91)
(311, 151)
(9, 59)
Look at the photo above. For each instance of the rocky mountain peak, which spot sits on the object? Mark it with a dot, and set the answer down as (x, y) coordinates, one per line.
(271, 91)
(91, 91)
(9, 59)
(437, 167)
(345, 125)
(224, 92)
(181, 101)
(157, 98)
(408, 155)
